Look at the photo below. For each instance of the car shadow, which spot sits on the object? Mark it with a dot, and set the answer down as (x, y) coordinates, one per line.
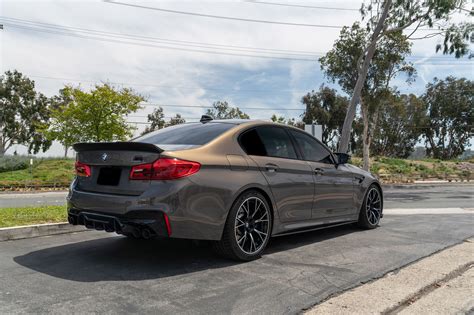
(122, 259)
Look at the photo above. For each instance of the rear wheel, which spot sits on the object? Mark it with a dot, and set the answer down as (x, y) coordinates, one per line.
(247, 229)
(371, 210)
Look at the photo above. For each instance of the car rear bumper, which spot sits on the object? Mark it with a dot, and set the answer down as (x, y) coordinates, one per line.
(193, 212)
(144, 224)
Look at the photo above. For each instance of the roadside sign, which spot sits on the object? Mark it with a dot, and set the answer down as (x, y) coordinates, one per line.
(314, 130)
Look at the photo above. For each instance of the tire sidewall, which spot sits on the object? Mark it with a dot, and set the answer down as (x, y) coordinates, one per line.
(363, 217)
(230, 225)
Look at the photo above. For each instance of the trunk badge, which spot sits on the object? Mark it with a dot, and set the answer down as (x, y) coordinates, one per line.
(104, 156)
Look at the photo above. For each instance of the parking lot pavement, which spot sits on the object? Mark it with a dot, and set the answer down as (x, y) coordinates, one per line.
(98, 272)
(51, 198)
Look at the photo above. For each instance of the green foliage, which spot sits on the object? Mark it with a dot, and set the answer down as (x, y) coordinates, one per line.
(398, 126)
(327, 108)
(176, 120)
(99, 115)
(13, 163)
(418, 14)
(156, 120)
(289, 122)
(44, 171)
(23, 112)
(64, 125)
(222, 110)
(450, 115)
(32, 215)
(341, 63)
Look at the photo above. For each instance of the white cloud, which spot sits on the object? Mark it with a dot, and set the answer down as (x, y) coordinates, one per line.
(178, 77)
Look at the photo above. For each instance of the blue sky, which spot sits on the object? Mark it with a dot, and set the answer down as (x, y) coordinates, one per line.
(177, 77)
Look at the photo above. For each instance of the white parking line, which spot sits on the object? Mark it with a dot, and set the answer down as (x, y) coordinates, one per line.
(403, 211)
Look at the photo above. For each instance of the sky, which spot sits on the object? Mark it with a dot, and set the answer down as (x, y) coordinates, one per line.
(181, 59)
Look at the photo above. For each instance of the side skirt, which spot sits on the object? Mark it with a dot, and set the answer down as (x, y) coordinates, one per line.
(314, 228)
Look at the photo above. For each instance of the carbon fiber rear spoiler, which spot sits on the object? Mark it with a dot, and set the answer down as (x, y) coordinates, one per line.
(116, 146)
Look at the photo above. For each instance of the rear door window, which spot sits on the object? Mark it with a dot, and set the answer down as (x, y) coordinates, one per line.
(186, 134)
(268, 141)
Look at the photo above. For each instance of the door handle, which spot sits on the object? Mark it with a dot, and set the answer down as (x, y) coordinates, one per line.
(319, 171)
(271, 168)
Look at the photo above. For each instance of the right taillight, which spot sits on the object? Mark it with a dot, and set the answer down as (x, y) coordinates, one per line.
(82, 169)
(164, 169)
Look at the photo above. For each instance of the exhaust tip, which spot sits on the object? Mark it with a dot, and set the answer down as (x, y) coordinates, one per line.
(136, 233)
(71, 220)
(146, 234)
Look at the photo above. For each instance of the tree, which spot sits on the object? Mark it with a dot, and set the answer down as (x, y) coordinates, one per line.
(289, 122)
(399, 125)
(341, 64)
(327, 108)
(176, 120)
(222, 110)
(385, 18)
(99, 115)
(450, 114)
(156, 120)
(64, 125)
(22, 113)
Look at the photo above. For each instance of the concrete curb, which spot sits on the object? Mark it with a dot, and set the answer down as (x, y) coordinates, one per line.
(401, 287)
(29, 231)
(424, 185)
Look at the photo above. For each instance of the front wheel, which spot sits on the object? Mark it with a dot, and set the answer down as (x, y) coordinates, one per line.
(247, 229)
(371, 209)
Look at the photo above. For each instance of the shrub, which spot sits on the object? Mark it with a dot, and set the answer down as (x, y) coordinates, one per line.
(13, 163)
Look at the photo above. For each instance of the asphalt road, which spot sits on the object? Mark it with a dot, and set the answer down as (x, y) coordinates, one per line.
(98, 272)
(408, 196)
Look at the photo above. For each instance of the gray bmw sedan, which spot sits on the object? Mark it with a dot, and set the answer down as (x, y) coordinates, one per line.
(234, 182)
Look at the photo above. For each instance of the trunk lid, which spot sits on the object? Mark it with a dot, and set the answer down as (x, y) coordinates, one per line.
(111, 163)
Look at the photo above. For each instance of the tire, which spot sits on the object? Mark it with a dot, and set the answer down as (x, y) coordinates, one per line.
(371, 210)
(246, 233)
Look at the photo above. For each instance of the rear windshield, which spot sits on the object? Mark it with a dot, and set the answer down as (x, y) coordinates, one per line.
(191, 134)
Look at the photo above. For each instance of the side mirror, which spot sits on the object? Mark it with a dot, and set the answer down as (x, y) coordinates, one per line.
(342, 158)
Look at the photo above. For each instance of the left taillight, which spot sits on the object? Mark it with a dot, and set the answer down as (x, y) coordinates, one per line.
(164, 169)
(82, 169)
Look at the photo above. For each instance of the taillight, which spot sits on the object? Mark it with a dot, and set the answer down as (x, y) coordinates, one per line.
(82, 169)
(164, 169)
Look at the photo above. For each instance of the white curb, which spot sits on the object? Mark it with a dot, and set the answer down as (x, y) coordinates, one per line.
(29, 231)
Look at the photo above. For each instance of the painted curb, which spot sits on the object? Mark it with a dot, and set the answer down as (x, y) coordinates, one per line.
(30, 231)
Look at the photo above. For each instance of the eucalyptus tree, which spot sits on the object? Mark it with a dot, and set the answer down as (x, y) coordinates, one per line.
(340, 65)
(385, 18)
(327, 108)
(449, 126)
(222, 110)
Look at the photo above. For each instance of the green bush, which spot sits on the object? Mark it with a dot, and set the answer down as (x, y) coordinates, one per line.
(10, 163)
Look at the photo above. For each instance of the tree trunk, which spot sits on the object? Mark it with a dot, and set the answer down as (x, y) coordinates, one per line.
(365, 138)
(361, 76)
(66, 148)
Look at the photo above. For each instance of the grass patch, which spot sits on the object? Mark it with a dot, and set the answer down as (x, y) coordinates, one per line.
(32, 215)
(404, 169)
(45, 171)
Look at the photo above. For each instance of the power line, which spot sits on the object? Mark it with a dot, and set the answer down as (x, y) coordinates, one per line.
(211, 107)
(168, 86)
(160, 46)
(176, 48)
(32, 25)
(222, 17)
(158, 39)
(236, 18)
(300, 5)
